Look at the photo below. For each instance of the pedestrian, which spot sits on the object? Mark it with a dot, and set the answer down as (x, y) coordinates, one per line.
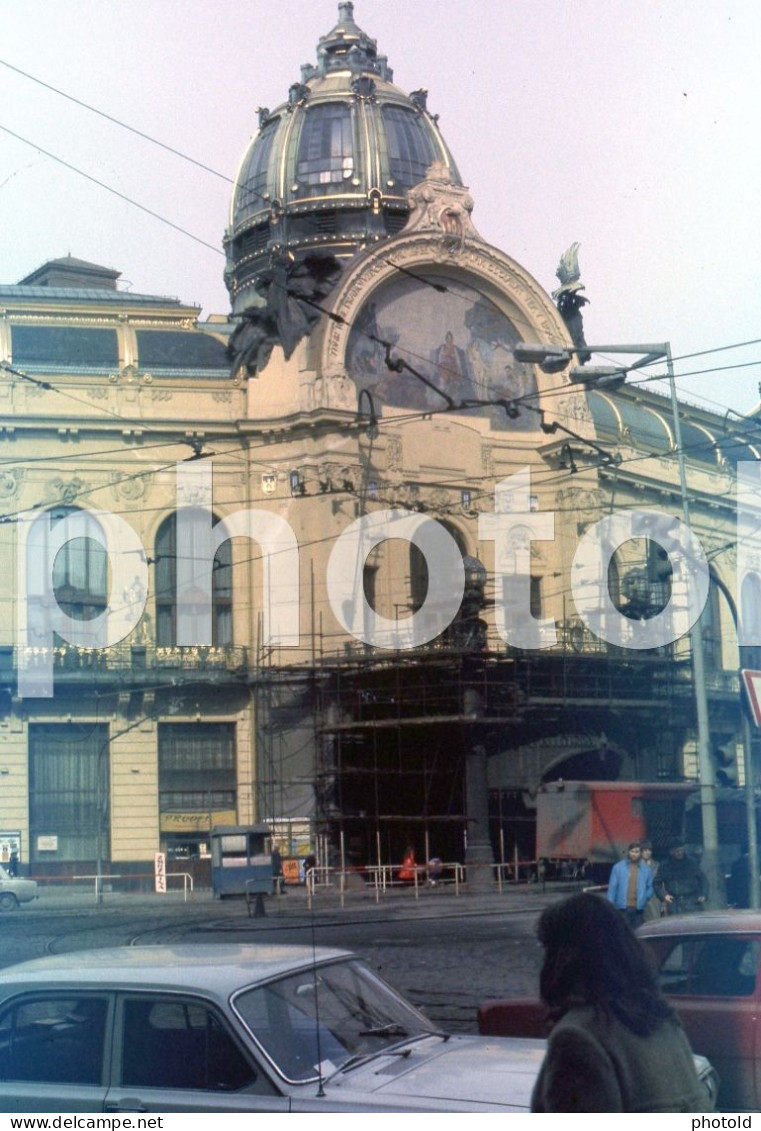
(408, 870)
(653, 905)
(308, 864)
(631, 885)
(738, 884)
(435, 870)
(616, 1044)
(681, 884)
(277, 870)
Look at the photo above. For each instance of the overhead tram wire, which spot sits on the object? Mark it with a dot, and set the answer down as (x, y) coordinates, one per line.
(437, 286)
(137, 423)
(308, 221)
(117, 121)
(440, 287)
(113, 191)
(451, 406)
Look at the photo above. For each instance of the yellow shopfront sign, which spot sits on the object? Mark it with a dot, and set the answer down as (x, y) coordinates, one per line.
(196, 822)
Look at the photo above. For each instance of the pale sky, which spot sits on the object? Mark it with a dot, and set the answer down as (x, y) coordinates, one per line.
(630, 127)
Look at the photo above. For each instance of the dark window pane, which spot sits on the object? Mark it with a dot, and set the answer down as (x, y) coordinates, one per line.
(166, 589)
(54, 1040)
(196, 767)
(713, 966)
(170, 1043)
(179, 349)
(326, 150)
(80, 567)
(410, 148)
(65, 761)
(725, 967)
(65, 345)
(252, 181)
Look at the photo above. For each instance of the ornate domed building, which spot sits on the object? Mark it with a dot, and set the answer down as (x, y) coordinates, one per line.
(392, 646)
(377, 336)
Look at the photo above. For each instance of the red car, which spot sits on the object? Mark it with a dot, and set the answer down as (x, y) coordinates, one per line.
(709, 967)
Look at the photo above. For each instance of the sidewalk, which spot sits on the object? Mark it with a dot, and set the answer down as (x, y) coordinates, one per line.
(327, 902)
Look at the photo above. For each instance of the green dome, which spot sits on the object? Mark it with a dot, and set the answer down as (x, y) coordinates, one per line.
(329, 168)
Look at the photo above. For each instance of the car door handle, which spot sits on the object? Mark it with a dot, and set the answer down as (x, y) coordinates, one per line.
(127, 1104)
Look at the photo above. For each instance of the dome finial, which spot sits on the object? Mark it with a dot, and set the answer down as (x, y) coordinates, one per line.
(347, 46)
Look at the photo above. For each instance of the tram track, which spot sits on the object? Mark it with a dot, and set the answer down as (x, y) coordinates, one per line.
(92, 936)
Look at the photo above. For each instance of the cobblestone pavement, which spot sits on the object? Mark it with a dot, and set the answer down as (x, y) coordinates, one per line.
(445, 953)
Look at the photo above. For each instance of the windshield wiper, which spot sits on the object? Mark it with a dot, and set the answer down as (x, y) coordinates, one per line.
(364, 1057)
(391, 1029)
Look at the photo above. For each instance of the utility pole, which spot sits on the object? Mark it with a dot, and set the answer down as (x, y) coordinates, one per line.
(705, 764)
(558, 358)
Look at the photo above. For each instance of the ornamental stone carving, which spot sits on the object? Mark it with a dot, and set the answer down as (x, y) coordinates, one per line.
(10, 481)
(333, 391)
(438, 204)
(394, 452)
(130, 488)
(67, 490)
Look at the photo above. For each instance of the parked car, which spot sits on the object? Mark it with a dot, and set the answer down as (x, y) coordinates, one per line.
(14, 891)
(237, 1029)
(709, 966)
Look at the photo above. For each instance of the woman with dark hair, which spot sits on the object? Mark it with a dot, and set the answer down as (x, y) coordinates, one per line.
(616, 1044)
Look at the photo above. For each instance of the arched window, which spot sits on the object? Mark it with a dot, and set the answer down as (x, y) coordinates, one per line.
(639, 579)
(166, 590)
(410, 149)
(80, 570)
(419, 568)
(750, 619)
(326, 147)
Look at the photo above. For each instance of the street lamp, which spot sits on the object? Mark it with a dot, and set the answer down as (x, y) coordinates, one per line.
(602, 376)
(552, 359)
(650, 353)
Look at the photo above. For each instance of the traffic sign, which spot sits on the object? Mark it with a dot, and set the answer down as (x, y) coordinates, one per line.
(752, 681)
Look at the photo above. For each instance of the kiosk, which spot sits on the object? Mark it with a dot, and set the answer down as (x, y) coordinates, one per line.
(241, 860)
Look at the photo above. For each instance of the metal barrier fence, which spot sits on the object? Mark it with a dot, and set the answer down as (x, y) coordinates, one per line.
(383, 879)
(144, 879)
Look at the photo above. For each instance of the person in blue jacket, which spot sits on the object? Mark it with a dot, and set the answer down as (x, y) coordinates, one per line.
(631, 885)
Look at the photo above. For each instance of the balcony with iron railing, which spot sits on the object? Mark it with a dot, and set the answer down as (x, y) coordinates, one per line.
(143, 663)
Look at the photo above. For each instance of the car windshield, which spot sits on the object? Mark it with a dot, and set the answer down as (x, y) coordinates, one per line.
(314, 1021)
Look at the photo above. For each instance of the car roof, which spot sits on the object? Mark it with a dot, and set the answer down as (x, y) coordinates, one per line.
(705, 923)
(218, 969)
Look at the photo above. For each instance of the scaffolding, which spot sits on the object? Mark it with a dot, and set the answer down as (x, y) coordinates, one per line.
(370, 746)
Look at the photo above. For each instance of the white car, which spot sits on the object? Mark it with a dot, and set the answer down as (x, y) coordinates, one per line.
(237, 1029)
(14, 891)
